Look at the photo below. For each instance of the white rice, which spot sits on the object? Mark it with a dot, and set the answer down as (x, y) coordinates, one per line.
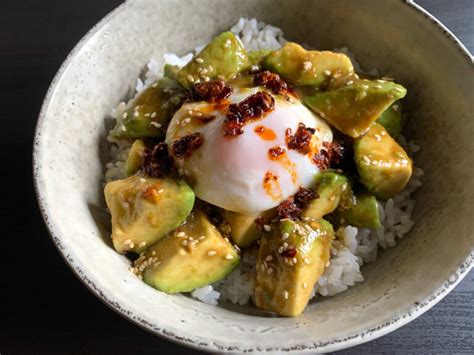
(354, 246)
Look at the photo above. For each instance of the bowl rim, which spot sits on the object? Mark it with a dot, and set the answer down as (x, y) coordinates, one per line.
(337, 343)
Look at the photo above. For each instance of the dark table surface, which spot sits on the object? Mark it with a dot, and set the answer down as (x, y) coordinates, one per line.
(43, 307)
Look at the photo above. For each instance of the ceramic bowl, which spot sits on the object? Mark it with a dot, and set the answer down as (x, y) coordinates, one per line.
(396, 36)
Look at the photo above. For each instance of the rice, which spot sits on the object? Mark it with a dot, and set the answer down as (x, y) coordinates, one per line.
(353, 247)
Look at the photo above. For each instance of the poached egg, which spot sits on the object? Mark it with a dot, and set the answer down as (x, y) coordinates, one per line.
(254, 171)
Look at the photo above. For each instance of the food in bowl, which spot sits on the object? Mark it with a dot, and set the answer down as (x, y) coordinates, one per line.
(258, 170)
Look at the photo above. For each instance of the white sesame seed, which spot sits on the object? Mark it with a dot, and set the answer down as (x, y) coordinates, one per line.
(285, 236)
(123, 128)
(269, 270)
(154, 85)
(267, 228)
(327, 72)
(155, 124)
(229, 256)
(280, 250)
(125, 114)
(147, 114)
(190, 78)
(285, 245)
(382, 133)
(131, 245)
(153, 252)
(395, 107)
(181, 234)
(136, 114)
(160, 191)
(201, 237)
(199, 60)
(366, 159)
(269, 258)
(285, 294)
(204, 71)
(142, 244)
(308, 228)
(228, 43)
(127, 241)
(307, 65)
(184, 243)
(295, 260)
(306, 260)
(153, 115)
(328, 263)
(378, 137)
(350, 82)
(125, 205)
(211, 252)
(305, 284)
(142, 180)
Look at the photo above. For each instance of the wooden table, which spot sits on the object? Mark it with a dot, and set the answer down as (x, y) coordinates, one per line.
(43, 307)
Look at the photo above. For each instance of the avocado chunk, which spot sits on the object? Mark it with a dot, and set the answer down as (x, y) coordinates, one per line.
(135, 158)
(291, 259)
(170, 71)
(331, 188)
(301, 67)
(256, 57)
(243, 229)
(223, 58)
(364, 212)
(391, 119)
(353, 108)
(192, 256)
(144, 210)
(384, 167)
(149, 113)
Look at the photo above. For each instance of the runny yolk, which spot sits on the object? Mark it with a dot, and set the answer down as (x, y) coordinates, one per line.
(265, 133)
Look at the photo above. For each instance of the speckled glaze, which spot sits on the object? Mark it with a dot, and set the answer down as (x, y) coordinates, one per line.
(70, 151)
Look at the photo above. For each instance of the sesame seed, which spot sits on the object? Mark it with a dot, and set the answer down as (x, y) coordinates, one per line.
(306, 260)
(308, 228)
(154, 85)
(228, 43)
(181, 234)
(229, 256)
(327, 72)
(285, 294)
(328, 263)
(125, 205)
(204, 71)
(269, 270)
(123, 128)
(377, 137)
(382, 133)
(201, 237)
(285, 245)
(285, 236)
(160, 191)
(187, 120)
(269, 258)
(395, 107)
(131, 245)
(142, 180)
(125, 114)
(199, 60)
(190, 238)
(374, 162)
(142, 244)
(280, 250)
(295, 260)
(136, 114)
(155, 124)
(127, 241)
(184, 243)
(153, 252)
(308, 65)
(190, 78)
(222, 77)
(366, 159)
(211, 252)
(153, 115)
(147, 114)
(350, 82)
(267, 228)
(305, 285)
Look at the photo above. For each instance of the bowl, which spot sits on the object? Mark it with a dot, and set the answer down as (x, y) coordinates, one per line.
(398, 37)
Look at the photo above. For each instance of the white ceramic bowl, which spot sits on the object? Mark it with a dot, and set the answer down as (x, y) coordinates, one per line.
(395, 36)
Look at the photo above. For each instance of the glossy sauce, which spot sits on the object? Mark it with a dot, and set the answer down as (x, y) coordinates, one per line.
(265, 133)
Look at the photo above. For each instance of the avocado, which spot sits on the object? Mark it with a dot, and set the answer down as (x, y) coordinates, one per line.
(291, 259)
(149, 113)
(331, 188)
(135, 158)
(351, 109)
(364, 212)
(391, 119)
(170, 71)
(144, 210)
(256, 57)
(243, 229)
(301, 67)
(223, 58)
(384, 167)
(192, 256)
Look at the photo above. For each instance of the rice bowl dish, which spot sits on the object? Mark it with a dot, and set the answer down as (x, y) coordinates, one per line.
(353, 246)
